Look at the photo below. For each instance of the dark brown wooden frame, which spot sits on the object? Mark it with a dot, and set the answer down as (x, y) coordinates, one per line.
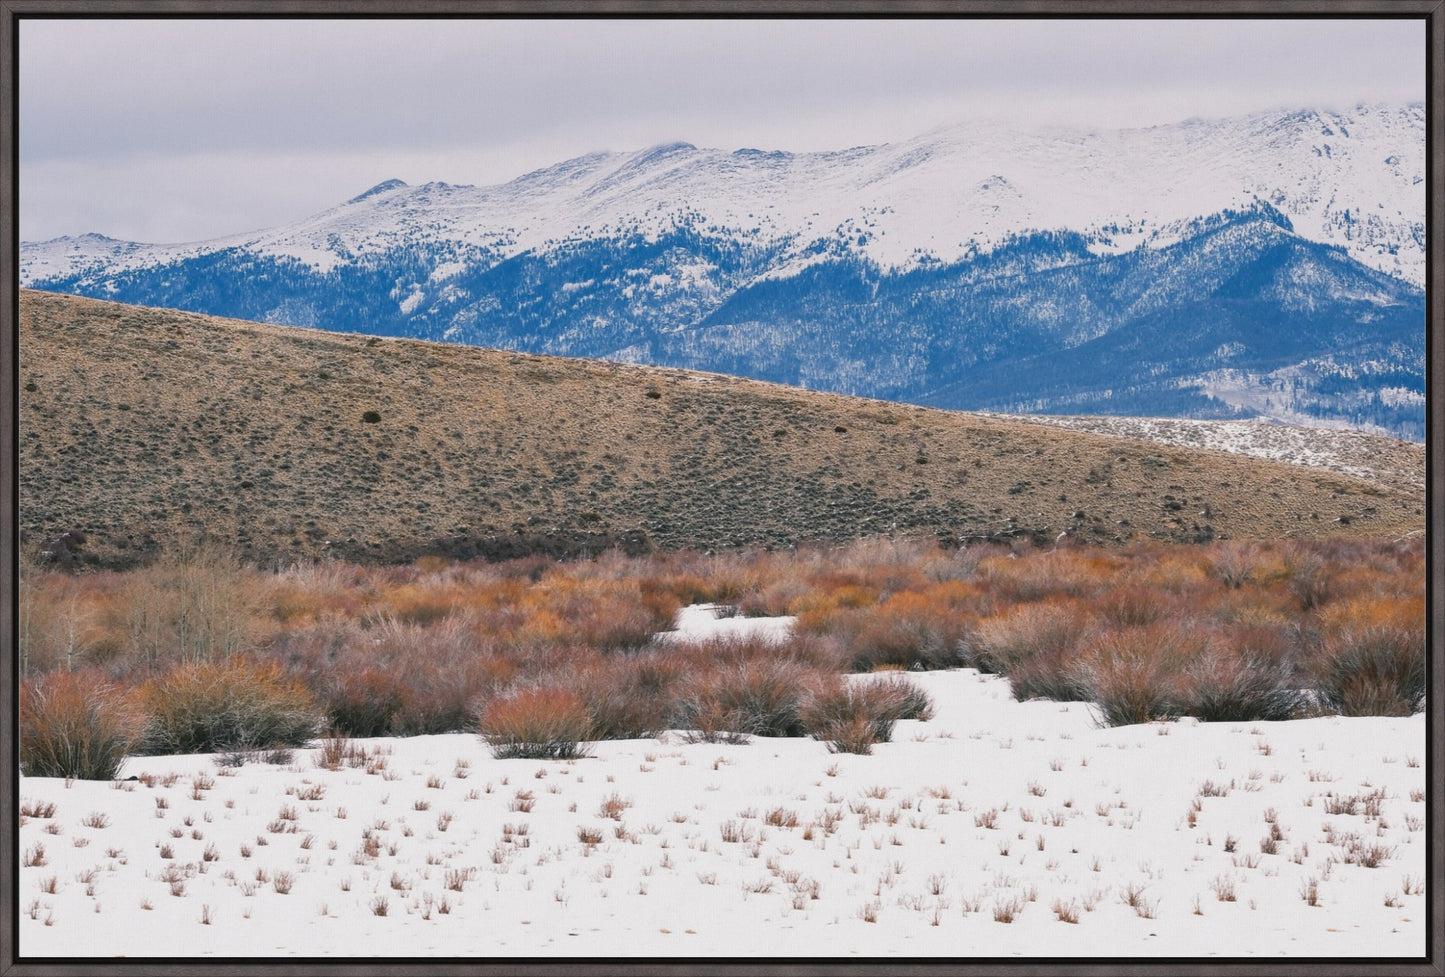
(1431, 12)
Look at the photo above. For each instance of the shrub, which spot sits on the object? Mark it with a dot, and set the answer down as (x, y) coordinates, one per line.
(74, 724)
(1234, 564)
(1235, 685)
(1310, 578)
(1375, 670)
(901, 696)
(746, 698)
(206, 707)
(1036, 646)
(1131, 605)
(362, 701)
(542, 723)
(399, 678)
(910, 629)
(1038, 576)
(59, 621)
(196, 604)
(602, 613)
(852, 716)
(632, 696)
(1134, 675)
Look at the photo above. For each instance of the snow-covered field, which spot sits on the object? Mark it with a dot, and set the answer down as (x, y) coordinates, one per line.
(1263, 839)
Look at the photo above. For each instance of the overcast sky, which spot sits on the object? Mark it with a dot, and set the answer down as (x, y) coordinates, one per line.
(182, 130)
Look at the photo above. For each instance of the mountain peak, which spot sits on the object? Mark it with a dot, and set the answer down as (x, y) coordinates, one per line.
(382, 187)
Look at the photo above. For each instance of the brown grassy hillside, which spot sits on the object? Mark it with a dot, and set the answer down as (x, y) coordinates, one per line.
(141, 426)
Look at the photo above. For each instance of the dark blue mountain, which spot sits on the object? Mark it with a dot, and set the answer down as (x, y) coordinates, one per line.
(1241, 317)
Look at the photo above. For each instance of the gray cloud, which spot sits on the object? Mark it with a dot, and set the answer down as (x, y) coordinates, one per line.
(184, 129)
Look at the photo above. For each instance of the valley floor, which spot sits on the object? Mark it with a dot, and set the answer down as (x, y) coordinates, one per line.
(1160, 840)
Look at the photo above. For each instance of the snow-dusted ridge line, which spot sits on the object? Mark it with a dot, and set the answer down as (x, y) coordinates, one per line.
(1353, 179)
(1357, 453)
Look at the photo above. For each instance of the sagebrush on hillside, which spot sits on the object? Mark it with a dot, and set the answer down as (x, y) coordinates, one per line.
(291, 443)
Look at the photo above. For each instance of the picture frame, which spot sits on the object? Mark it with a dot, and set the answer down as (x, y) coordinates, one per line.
(888, 960)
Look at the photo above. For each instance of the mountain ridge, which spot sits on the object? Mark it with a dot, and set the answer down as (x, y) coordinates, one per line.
(937, 270)
(1203, 166)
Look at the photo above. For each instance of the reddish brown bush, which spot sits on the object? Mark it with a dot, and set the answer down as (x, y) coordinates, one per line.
(1132, 605)
(394, 678)
(851, 716)
(746, 698)
(631, 696)
(540, 723)
(1036, 646)
(210, 707)
(362, 700)
(910, 629)
(75, 724)
(1136, 675)
(1372, 670)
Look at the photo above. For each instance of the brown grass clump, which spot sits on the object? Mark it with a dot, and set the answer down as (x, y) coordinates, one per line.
(542, 723)
(211, 707)
(75, 724)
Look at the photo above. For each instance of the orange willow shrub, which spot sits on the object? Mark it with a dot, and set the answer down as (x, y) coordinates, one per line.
(1037, 646)
(598, 612)
(76, 724)
(240, 704)
(926, 628)
(547, 722)
(1065, 572)
(307, 592)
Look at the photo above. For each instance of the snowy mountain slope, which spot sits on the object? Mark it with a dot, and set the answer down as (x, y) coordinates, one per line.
(1355, 453)
(1265, 266)
(1353, 178)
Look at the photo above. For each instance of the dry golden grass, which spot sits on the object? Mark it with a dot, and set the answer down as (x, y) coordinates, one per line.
(141, 427)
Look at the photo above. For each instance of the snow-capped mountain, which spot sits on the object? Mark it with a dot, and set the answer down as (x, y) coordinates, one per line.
(920, 270)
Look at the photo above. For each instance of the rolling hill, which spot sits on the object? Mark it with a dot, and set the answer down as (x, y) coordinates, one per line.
(140, 426)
